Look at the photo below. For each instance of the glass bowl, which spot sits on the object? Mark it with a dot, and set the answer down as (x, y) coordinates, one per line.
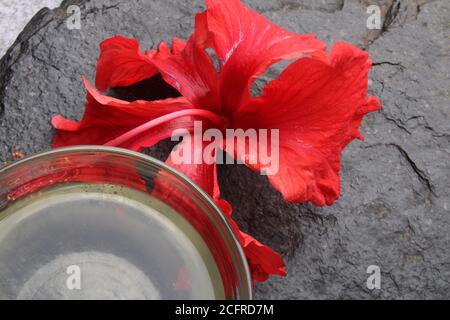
(107, 223)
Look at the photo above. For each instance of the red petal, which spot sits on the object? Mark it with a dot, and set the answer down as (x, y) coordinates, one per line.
(193, 74)
(262, 260)
(246, 44)
(318, 105)
(106, 118)
(203, 174)
(121, 64)
(178, 46)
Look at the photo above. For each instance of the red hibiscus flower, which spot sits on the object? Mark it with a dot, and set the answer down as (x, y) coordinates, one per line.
(317, 104)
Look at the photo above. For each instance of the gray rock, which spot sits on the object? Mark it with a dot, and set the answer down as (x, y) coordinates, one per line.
(14, 15)
(394, 208)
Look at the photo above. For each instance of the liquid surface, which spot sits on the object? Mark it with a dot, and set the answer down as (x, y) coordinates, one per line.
(102, 242)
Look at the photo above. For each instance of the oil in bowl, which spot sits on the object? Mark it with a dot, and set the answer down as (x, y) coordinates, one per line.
(87, 229)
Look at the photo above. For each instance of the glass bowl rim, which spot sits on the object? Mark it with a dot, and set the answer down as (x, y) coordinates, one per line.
(160, 165)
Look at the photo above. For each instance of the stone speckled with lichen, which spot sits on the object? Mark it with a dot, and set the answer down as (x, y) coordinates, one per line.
(394, 209)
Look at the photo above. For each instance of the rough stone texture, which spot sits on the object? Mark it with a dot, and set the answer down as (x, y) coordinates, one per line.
(15, 14)
(394, 209)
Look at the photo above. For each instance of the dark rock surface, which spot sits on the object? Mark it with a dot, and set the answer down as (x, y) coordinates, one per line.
(394, 209)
